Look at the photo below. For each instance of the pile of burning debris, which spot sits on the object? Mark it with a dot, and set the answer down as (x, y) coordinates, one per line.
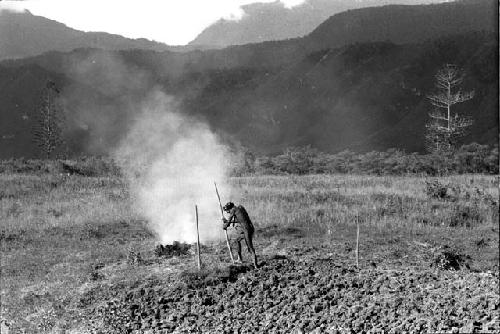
(175, 249)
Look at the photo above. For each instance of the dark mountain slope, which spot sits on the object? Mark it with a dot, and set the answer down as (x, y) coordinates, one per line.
(25, 35)
(404, 24)
(363, 97)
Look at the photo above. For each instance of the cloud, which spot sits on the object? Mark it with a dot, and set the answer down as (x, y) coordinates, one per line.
(174, 22)
(292, 3)
(12, 6)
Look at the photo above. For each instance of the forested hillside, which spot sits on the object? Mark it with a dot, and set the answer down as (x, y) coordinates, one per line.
(334, 95)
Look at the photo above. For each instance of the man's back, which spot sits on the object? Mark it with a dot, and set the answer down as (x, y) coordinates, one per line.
(240, 215)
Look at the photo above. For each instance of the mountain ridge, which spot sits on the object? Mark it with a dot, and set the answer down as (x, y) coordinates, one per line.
(23, 34)
(273, 21)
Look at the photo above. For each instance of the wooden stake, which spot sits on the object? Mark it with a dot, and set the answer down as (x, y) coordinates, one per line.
(225, 231)
(357, 241)
(198, 242)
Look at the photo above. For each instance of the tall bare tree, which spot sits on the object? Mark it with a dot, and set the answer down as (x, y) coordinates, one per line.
(446, 127)
(48, 121)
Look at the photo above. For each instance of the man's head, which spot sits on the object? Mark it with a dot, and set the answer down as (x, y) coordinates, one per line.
(228, 206)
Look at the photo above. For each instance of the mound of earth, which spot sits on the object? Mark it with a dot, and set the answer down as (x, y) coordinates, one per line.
(176, 249)
(319, 295)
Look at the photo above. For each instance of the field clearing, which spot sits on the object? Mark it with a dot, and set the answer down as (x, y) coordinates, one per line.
(68, 241)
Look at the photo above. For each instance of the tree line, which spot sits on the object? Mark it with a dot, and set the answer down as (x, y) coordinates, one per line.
(471, 158)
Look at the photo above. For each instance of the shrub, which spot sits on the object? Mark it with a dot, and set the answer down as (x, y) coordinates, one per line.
(450, 259)
(465, 216)
(296, 160)
(435, 189)
(475, 158)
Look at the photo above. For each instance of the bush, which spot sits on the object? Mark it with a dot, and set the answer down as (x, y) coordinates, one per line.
(435, 189)
(450, 259)
(465, 216)
(296, 160)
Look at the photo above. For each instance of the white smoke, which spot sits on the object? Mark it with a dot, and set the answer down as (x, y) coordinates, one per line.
(171, 162)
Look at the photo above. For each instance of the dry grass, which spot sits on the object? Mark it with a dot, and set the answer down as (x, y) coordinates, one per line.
(64, 238)
(324, 202)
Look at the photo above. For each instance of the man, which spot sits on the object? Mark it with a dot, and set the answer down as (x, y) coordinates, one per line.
(243, 228)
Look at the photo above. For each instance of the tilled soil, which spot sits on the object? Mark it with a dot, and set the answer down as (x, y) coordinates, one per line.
(319, 295)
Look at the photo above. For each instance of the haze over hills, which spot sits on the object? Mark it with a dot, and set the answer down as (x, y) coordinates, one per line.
(273, 21)
(25, 35)
(323, 90)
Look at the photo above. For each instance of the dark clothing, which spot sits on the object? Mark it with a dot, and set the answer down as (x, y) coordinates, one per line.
(243, 229)
(238, 216)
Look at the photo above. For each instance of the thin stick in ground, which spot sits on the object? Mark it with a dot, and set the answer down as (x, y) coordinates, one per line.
(357, 241)
(198, 240)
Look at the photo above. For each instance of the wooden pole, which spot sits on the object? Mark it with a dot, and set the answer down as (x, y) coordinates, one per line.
(198, 242)
(357, 241)
(225, 231)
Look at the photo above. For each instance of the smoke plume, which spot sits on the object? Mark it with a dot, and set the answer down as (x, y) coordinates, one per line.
(169, 159)
(103, 98)
(171, 163)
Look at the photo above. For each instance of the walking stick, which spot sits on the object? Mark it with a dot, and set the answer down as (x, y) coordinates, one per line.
(225, 231)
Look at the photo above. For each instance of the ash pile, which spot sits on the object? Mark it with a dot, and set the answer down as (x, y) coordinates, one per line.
(175, 249)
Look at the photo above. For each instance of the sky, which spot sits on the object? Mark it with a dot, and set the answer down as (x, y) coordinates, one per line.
(174, 22)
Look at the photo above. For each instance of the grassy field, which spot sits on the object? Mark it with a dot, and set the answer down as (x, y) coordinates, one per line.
(66, 239)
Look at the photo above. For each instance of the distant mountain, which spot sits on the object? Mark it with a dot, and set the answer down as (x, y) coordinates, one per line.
(273, 21)
(405, 24)
(24, 35)
(268, 96)
(393, 23)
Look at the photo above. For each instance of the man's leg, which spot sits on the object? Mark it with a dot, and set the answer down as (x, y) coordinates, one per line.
(251, 249)
(238, 241)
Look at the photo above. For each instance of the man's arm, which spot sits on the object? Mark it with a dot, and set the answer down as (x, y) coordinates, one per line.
(227, 222)
(232, 216)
